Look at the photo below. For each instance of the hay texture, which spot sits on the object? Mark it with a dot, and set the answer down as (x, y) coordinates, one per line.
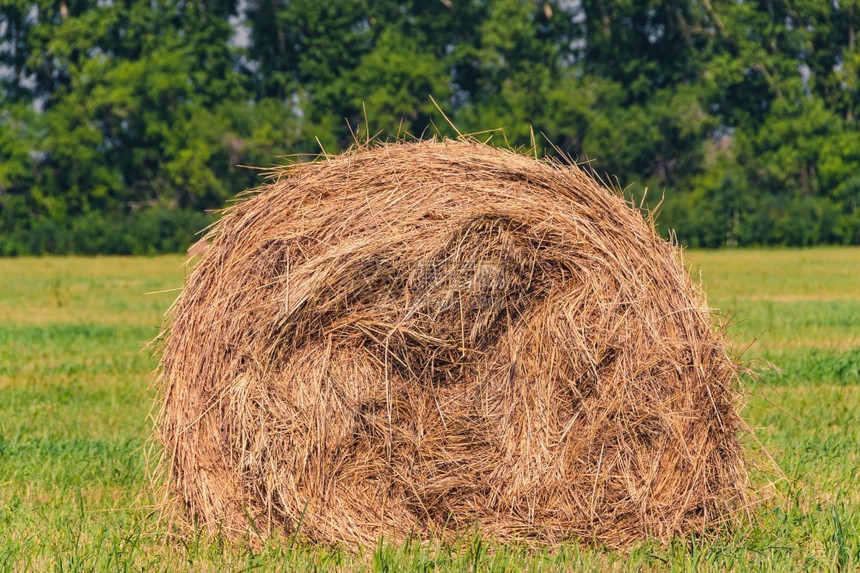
(415, 338)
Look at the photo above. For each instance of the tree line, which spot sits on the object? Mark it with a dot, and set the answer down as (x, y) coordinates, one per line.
(123, 122)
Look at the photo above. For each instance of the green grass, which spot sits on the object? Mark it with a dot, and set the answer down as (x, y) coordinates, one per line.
(75, 397)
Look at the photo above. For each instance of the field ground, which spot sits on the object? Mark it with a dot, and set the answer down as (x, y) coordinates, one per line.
(75, 395)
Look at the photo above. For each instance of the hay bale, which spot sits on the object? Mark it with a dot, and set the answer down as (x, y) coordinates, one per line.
(415, 337)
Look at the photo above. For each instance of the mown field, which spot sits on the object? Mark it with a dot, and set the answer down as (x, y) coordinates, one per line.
(75, 395)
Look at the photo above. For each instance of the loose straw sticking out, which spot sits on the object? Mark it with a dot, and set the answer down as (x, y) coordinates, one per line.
(412, 337)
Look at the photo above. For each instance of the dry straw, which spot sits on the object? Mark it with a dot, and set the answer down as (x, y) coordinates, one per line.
(415, 338)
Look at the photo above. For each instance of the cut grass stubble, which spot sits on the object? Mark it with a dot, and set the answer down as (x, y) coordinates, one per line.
(74, 400)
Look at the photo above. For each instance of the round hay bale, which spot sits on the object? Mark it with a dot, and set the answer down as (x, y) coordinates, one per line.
(415, 338)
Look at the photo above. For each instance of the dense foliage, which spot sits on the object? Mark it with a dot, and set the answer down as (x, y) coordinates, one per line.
(123, 121)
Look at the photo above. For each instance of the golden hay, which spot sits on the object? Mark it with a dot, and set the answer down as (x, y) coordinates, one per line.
(413, 338)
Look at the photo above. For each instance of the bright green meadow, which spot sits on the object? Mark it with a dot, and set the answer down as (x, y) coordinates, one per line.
(76, 393)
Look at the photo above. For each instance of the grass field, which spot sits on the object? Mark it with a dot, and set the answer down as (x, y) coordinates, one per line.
(75, 395)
